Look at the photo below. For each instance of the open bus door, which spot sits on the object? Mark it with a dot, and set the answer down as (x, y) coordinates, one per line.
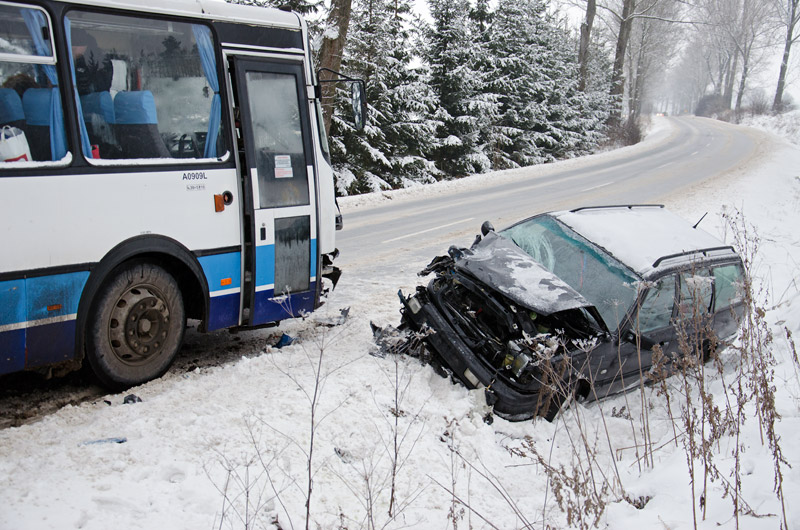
(280, 258)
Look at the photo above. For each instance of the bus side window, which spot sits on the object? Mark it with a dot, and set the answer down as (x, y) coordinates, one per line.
(31, 111)
(147, 89)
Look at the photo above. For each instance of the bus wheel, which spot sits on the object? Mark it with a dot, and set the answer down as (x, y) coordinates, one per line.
(135, 326)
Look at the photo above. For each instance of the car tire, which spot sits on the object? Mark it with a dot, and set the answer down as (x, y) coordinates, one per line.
(135, 325)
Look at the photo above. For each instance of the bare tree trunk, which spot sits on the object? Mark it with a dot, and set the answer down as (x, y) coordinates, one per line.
(742, 83)
(793, 19)
(330, 54)
(638, 87)
(586, 37)
(730, 80)
(777, 103)
(618, 75)
(718, 88)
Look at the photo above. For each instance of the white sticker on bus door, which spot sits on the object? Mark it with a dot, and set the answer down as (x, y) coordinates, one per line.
(283, 167)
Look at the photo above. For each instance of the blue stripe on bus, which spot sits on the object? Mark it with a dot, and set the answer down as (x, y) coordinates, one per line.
(313, 258)
(12, 303)
(50, 343)
(54, 296)
(223, 311)
(12, 351)
(25, 306)
(265, 265)
(269, 310)
(222, 267)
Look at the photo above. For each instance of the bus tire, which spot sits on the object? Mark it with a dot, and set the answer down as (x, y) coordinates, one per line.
(135, 326)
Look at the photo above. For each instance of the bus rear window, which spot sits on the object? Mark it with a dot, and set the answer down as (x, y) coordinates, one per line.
(146, 88)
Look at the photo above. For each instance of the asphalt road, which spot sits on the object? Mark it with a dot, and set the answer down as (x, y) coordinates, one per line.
(687, 151)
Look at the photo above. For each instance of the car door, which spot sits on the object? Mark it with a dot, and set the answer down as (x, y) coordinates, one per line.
(654, 322)
(649, 324)
(728, 299)
(693, 318)
(280, 167)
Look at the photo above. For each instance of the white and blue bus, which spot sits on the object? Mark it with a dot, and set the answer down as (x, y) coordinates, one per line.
(160, 161)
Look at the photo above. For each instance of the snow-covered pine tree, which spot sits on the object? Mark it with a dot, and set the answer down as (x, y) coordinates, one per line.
(451, 58)
(407, 101)
(485, 105)
(390, 151)
(542, 116)
(512, 77)
(598, 100)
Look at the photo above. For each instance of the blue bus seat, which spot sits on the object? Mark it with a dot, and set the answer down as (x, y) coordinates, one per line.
(99, 103)
(137, 125)
(11, 112)
(99, 116)
(36, 103)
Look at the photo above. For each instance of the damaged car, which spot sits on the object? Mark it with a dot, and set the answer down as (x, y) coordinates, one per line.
(577, 304)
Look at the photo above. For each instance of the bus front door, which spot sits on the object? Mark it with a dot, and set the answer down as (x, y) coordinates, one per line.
(280, 176)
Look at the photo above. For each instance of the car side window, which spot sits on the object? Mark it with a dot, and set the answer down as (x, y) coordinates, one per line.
(696, 289)
(31, 111)
(656, 309)
(727, 286)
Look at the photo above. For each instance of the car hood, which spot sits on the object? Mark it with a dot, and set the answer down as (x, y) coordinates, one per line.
(500, 264)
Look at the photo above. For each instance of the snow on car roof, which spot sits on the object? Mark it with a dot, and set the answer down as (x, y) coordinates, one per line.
(638, 235)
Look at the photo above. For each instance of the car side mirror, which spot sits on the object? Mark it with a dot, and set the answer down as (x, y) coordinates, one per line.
(486, 227)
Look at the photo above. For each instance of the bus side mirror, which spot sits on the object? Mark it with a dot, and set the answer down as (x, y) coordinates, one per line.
(358, 94)
(358, 98)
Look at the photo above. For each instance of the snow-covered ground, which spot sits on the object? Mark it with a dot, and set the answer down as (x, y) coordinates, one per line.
(786, 125)
(228, 446)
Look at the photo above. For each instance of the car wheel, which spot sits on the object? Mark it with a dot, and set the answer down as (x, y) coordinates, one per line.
(135, 325)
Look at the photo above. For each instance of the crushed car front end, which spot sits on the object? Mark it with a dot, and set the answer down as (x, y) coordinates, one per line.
(497, 319)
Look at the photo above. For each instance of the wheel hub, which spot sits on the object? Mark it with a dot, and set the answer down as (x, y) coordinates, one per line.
(139, 324)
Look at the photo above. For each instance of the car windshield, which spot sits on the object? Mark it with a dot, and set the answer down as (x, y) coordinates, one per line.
(588, 269)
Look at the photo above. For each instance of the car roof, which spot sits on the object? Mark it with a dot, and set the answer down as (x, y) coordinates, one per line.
(646, 238)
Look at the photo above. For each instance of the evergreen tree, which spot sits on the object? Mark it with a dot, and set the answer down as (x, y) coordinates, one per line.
(485, 105)
(457, 86)
(390, 152)
(543, 115)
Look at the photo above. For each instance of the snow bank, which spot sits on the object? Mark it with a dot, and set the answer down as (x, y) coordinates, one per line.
(786, 125)
(658, 133)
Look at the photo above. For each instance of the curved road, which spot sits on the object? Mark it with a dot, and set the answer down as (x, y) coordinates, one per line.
(684, 152)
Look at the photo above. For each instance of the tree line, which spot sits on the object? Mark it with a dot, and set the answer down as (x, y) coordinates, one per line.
(698, 56)
(484, 86)
(474, 89)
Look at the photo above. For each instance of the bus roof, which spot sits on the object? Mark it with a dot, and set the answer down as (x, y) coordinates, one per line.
(207, 9)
